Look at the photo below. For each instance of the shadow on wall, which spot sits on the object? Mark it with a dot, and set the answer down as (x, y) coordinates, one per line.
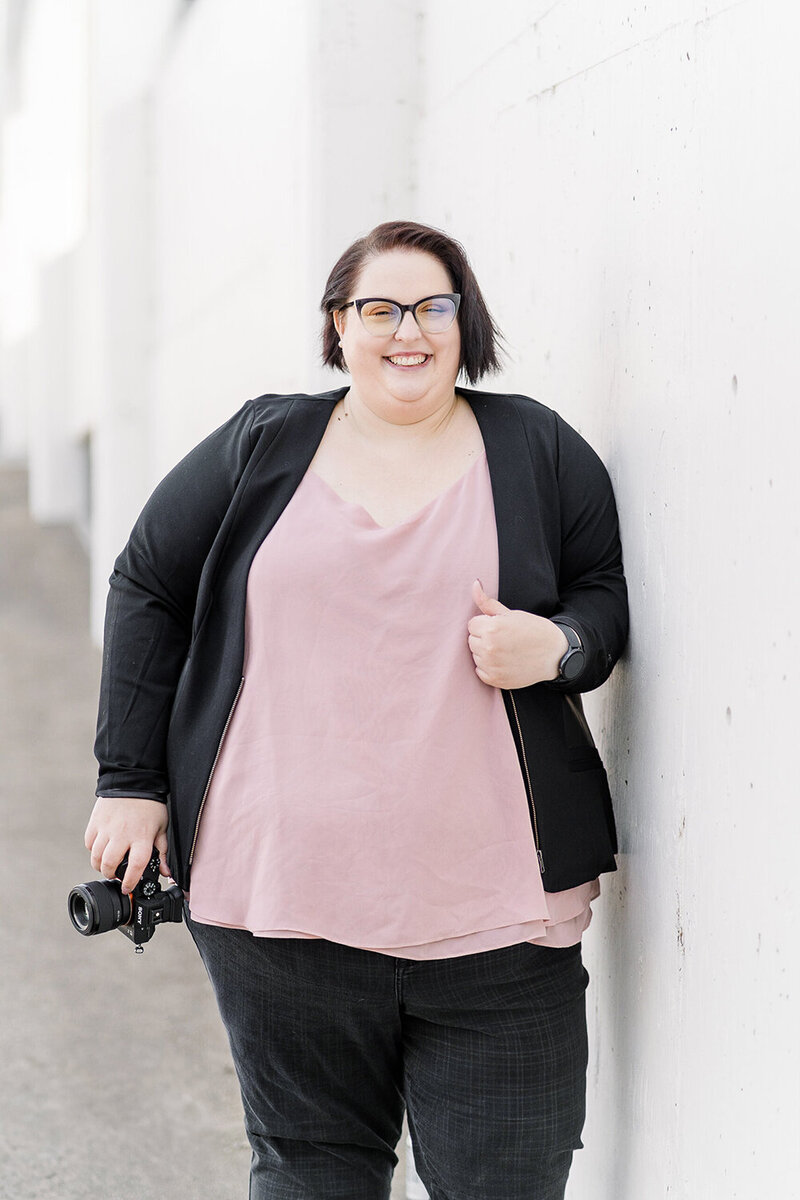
(621, 957)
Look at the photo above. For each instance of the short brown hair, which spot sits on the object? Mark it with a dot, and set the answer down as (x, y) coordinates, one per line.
(480, 337)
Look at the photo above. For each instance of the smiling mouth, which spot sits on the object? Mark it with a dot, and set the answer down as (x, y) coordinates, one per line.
(408, 360)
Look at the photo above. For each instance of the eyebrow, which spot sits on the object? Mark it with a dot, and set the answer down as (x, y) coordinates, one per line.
(388, 300)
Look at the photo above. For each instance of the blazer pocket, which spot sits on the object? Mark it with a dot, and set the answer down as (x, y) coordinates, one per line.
(584, 758)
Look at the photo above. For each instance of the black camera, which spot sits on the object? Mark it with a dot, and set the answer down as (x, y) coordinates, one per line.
(99, 906)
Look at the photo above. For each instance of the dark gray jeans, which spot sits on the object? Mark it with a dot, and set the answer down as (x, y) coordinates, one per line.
(487, 1052)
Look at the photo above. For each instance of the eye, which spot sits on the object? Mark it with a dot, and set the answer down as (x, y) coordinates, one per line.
(378, 310)
(434, 308)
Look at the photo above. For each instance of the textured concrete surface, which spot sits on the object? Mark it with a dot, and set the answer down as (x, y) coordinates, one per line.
(115, 1068)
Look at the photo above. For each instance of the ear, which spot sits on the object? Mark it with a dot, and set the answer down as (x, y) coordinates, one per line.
(338, 321)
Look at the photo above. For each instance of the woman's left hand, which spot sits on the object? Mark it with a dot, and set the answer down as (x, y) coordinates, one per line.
(512, 648)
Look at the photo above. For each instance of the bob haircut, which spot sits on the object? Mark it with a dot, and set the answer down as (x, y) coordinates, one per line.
(480, 337)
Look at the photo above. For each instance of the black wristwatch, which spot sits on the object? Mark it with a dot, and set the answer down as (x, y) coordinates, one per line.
(574, 660)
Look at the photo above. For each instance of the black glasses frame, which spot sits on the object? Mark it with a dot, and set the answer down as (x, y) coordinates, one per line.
(403, 309)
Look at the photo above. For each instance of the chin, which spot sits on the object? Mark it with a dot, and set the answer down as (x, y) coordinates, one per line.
(419, 396)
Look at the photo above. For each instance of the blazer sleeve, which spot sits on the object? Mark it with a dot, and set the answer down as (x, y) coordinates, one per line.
(592, 590)
(150, 609)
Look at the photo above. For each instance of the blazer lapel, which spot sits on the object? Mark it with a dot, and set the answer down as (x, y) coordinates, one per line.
(524, 488)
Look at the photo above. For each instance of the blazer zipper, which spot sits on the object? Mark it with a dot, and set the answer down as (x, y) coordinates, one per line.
(529, 787)
(213, 768)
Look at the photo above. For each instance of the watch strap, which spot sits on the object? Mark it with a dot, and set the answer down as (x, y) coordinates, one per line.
(574, 659)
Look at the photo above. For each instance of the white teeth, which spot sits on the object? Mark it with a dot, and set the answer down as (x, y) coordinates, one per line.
(407, 360)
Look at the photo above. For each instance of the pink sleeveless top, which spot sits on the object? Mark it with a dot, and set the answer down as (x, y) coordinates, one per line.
(368, 790)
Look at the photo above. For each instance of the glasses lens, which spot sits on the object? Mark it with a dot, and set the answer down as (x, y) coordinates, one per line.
(436, 314)
(380, 316)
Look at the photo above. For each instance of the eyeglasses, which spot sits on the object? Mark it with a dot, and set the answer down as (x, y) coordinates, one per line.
(433, 314)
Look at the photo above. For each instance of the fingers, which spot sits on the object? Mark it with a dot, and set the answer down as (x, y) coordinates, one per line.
(479, 627)
(485, 641)
(139, 856)
(132, 826)
(481, 651)
(108, 853)
(479, 631)
(97, 842)
(510, 648)
(89, 835)
(161, 846)
(482, 658)
(97, 847)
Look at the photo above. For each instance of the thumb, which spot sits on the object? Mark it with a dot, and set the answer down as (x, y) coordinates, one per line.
(485, 603)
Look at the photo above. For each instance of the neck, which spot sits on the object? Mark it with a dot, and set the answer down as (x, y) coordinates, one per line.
(375, 427)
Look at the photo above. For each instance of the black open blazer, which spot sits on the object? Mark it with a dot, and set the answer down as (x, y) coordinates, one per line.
(174, 637)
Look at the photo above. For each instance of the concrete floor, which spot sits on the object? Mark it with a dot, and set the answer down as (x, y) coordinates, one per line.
(115, 1067)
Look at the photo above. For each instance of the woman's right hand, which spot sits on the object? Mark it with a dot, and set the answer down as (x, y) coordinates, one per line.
(126, 825)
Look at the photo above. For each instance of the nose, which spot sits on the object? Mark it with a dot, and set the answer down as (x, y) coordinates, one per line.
(408, 329)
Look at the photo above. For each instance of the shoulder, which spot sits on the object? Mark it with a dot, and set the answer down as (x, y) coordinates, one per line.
(509, 402)
(514, 410)
(268, 412)
(549, 437)
(543, 427)
(223, 455)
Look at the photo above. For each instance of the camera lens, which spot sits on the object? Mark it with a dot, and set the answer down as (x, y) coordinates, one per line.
(80, 913)
(99, 906)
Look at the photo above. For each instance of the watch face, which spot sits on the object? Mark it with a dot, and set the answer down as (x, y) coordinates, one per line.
(572, 664)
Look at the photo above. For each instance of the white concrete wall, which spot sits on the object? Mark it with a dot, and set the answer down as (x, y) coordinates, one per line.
(231, 210)
(268, 164)
(128, 44)
(631, 205)
(624, 177)
(218, 222)
(42, 218)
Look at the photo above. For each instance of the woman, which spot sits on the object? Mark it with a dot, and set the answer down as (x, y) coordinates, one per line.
(344, 650)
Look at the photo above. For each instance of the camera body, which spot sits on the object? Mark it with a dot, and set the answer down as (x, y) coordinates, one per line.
(100, 905)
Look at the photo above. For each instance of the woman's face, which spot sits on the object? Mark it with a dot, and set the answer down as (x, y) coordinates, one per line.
(408, 375)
